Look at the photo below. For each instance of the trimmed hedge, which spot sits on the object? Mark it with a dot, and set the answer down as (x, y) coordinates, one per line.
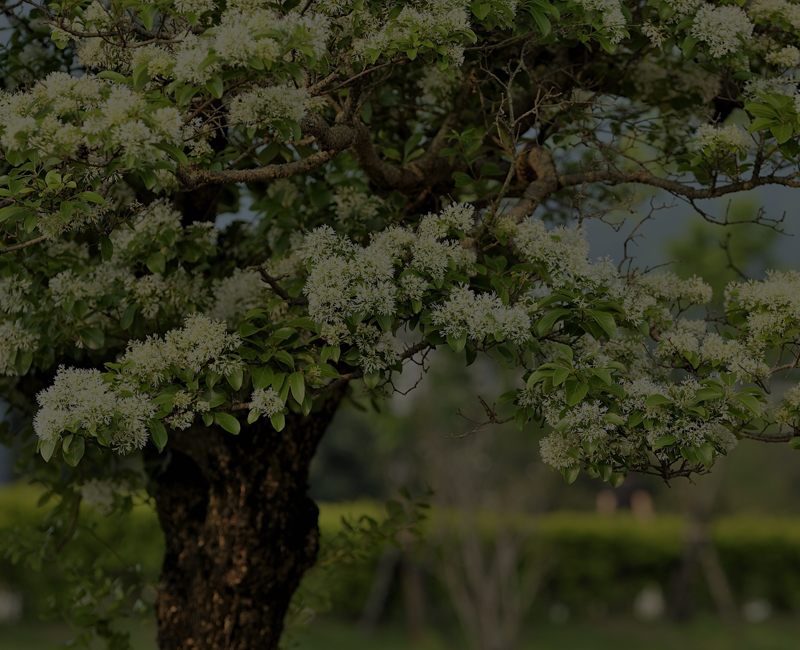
(591, 558)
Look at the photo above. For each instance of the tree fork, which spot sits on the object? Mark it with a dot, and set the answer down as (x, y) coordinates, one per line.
(240, 531)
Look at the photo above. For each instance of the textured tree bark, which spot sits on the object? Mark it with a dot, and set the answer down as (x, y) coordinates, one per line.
(240, 532)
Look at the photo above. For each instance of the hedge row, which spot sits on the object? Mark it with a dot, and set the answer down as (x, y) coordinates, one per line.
(590, 558)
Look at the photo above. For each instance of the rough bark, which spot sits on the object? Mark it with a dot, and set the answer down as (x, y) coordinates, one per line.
(240, 532)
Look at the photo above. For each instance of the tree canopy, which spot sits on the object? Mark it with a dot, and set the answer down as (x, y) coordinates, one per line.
(412, 175)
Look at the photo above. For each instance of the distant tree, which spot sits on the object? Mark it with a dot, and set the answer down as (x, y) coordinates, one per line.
(410, 169)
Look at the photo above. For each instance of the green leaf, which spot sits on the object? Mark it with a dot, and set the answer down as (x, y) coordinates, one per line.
(462, 179)
(546, 322)
(794, 443)
(616, 479)
(114, 76)
(560, 375)
(688, 45)
(158, 433)
(31, 221)
(782, 132)
(760, 123)
(210, 60)
(46, 449)
(140, 76)
(750, 403)
(252, 416)
(127, 316)
(606, 321)
(570, 473)
(215, 87)
(75, 453)
(157, 263)
(656, 400)
(173, 151)
(385, 321)
(371, 379)
(614, 418)
(278, 421)
(92, 197)
(106, 248)
(705, 453)
(262, 377)
(235, 378)
(664, 441)
(541, 20)
(576, 391)
(228, 422)
(457, 343)
(92, 337)
(13, 213)
(297, 384)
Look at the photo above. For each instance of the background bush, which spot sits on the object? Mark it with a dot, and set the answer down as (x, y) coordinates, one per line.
(591, 560)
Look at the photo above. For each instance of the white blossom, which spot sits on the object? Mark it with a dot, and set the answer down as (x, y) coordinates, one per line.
(201, 342)
(14, 338)
(266, 402)
(81, 399)
(721, 28)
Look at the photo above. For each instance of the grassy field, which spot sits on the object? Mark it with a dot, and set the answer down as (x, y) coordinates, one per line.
(326, 634)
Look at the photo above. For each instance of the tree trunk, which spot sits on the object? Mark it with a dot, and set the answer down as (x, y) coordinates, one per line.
(240, 531)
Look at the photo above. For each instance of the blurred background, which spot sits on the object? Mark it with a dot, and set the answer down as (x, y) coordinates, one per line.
(506, 556)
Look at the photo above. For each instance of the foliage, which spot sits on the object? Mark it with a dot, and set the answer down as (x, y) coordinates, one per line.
(412, 169)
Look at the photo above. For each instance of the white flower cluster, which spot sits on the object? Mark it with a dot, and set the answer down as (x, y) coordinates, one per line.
(782, 85)
(772, 305)
(437, 88)
(99, 493)
(481, 315)
(437, 21)
(562, 251)
(235, 295)
(788, 57)
(355, 208)
(378, 350)
(684, 7)
(613, 18)
(81, 399)
(262, 106)
(195, 6)
(89, 112)
(185, 406)
(347, 279)
(200, 343)
(781, 9)
(13, 290)
(653, 293)
(14, 338)
(730, 137)
(691, 337)
(246, 32)
(266, 402)
(722, 28)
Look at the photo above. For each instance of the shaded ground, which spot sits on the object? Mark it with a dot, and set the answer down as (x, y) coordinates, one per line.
(615, 634)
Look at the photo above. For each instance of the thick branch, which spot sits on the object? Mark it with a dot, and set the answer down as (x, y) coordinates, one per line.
(278, 289)
(785, 437)
(16, 247)
(614, 177)
(538, 169)
(193, 177)
(428, 170)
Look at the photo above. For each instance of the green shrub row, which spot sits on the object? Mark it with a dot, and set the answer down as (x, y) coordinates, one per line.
(588, 558)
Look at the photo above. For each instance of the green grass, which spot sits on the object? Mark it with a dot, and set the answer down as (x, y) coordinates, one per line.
(611, 634)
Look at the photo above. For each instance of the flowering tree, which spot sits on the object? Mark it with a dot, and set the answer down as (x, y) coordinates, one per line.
(412, 167)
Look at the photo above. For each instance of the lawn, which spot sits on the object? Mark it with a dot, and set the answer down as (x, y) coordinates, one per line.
(613, 634)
